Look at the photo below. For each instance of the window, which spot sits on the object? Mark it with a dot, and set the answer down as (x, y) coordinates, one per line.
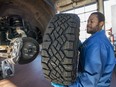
(83, 13)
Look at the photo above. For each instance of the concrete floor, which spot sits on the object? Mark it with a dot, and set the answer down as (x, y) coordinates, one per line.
(113, 82)
(30, 75)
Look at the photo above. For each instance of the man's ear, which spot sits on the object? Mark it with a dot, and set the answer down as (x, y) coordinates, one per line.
(101, 24)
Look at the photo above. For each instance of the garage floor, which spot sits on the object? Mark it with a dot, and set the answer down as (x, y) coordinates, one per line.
(30, 75)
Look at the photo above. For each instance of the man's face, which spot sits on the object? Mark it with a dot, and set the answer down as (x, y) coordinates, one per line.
(93, 24)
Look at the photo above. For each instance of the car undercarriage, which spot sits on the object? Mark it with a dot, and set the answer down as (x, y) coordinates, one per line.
(16, 44)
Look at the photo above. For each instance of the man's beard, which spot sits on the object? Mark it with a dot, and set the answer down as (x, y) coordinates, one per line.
(92, 31)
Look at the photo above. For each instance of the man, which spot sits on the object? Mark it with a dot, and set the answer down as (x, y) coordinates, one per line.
(96, 56)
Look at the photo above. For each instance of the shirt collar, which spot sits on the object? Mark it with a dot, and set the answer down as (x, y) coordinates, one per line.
(99, 33)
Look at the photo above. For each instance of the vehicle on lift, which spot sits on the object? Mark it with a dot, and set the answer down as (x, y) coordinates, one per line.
(22, 25)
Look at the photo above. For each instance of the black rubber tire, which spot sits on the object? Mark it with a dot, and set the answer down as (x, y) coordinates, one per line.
(60, 49)
(29, 51)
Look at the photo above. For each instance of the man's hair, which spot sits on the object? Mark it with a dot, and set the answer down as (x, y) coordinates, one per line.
(100, 16)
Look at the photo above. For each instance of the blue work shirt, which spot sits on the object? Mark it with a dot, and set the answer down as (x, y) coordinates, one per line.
(97, 61)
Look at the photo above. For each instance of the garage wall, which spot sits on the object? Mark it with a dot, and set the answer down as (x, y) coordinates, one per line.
(113, 10)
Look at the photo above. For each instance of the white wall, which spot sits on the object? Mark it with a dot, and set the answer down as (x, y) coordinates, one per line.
(113, 10)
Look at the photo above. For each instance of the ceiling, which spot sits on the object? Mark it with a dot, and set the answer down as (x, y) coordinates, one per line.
(63, 5)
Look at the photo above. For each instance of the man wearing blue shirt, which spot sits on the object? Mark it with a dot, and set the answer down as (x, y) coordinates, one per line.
(97, 58)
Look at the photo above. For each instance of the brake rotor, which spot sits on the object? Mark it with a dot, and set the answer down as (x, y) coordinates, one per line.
(29, 50)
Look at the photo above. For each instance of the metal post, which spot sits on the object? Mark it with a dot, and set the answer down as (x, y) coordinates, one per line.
(100, 8)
